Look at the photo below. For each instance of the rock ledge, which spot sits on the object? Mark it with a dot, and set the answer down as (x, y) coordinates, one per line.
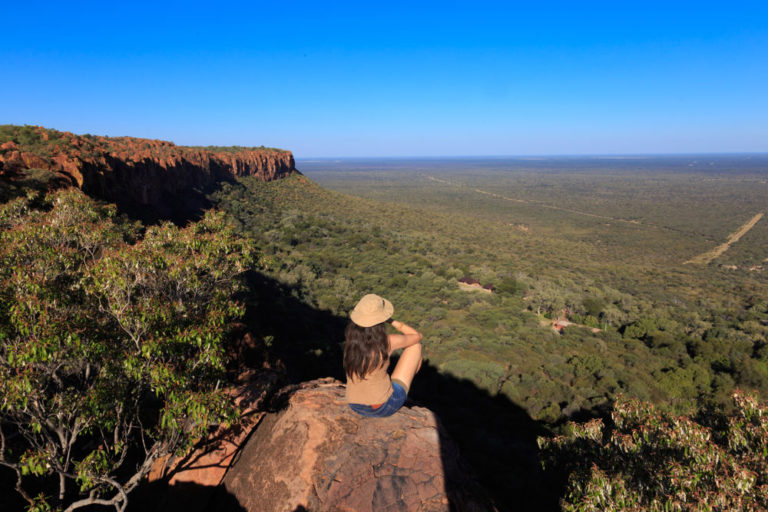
(317, 454)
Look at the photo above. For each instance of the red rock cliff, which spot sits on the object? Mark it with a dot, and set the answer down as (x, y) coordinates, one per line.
(138, 171)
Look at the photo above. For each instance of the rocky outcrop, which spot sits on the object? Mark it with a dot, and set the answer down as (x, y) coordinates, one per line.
(317, 455)
(136, 173)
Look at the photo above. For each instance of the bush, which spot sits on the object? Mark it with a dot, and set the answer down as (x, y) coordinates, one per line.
(111, 352)
(652, 460)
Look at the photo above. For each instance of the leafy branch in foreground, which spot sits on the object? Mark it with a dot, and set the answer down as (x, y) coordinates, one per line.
(111, 352)
(652, 460)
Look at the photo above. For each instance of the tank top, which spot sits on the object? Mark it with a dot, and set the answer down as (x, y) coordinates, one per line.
(374, 389)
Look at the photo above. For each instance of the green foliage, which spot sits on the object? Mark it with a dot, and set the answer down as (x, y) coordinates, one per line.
(654, 460)
(111, 345)
(669, 333)
(30, 137)
(333, 247)
(594, 306)
(136, 319)
(236, 149)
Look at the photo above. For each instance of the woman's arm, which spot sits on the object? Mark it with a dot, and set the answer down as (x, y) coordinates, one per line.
(409, 337)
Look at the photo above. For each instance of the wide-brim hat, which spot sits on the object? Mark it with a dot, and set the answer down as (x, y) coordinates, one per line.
(371, 310)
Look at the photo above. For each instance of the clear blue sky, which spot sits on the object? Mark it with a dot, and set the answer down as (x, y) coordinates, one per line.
(396, 79)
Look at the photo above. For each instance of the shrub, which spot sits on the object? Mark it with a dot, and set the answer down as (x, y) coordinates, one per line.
(110, 352)
(653, 460)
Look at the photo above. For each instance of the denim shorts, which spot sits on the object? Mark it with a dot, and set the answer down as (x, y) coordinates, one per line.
(388, 408)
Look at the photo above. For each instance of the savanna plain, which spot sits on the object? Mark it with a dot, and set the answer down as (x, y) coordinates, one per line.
(548, 290)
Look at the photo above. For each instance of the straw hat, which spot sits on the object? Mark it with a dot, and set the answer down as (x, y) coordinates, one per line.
(371, 310)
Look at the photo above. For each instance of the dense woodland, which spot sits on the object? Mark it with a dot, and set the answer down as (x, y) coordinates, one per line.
(122, 332)
(647, 325)
(670, 333)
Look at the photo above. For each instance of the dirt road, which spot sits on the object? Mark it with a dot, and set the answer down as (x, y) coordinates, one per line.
(704, 258)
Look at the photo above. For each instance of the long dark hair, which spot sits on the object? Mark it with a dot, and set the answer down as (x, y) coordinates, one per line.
(365, 349)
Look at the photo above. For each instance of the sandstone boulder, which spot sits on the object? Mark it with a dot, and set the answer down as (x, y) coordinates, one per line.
(317, 455)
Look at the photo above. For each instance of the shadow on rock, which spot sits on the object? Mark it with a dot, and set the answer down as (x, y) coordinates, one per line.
(181, 208)
(181, 497)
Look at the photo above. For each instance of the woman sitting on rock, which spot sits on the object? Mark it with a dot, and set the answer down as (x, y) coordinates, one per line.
(370, 390)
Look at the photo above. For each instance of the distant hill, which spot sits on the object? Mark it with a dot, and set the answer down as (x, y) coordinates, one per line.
(146, 178)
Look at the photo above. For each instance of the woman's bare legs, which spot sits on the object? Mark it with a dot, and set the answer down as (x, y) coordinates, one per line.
(408, 364)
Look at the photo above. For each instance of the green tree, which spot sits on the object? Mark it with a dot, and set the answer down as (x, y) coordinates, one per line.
(653, 460)
(111, 352)
(546, 297)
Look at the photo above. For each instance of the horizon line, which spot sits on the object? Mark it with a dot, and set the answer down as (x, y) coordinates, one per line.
(543, 155)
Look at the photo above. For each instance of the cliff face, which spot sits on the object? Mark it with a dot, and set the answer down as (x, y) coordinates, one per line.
(136, 173)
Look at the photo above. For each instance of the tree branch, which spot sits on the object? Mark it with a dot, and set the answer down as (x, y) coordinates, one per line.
(14, 467)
